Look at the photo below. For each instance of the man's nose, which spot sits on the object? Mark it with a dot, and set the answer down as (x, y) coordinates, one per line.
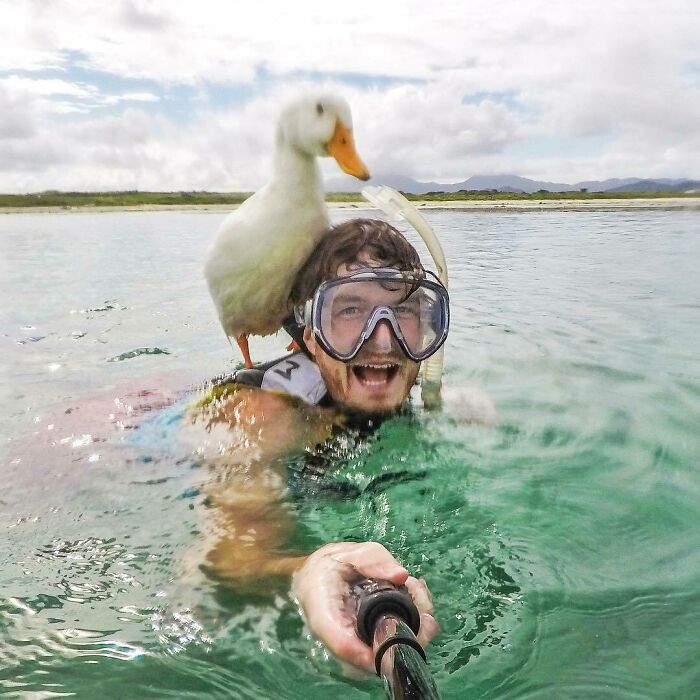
(382, 338)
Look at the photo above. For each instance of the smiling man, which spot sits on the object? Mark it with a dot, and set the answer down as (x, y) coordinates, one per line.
(367, 315)
(370, 314)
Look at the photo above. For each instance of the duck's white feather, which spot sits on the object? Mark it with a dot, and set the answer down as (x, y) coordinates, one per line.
(258, 250)
(260, 247)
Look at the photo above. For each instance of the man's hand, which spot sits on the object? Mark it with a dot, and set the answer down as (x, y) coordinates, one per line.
(321, 587)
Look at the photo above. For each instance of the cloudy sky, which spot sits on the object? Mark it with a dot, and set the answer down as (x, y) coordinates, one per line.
(164, 95)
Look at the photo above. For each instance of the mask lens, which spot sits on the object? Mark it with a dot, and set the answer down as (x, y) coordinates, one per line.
(347, 308)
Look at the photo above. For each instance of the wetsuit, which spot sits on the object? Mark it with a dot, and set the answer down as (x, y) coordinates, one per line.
(295, 375)
(316, 472)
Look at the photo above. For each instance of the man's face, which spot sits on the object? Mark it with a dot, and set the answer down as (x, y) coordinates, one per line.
(379, 378)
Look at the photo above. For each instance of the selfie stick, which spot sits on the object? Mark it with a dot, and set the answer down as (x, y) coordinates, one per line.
(388, 621)
(396, 206)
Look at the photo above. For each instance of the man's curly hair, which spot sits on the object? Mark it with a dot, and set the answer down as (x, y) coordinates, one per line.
(343, 244)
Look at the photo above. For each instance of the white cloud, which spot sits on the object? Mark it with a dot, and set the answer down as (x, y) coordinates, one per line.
(130, 97)
(607, 73)
(427, 131)
(45, 88)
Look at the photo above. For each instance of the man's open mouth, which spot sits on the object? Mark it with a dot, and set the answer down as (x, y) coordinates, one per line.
(375, 374)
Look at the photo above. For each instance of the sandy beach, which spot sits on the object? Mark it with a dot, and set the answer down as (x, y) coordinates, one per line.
(462, 205)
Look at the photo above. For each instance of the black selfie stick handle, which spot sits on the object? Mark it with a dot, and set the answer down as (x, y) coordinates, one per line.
(377, 599)
(388, 621)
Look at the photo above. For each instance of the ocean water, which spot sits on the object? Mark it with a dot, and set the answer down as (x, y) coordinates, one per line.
(561, 540)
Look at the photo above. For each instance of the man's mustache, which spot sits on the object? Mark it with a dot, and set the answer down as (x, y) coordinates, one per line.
(384, 359)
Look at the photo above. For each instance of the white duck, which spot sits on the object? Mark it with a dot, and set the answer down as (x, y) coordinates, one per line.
(260, 247)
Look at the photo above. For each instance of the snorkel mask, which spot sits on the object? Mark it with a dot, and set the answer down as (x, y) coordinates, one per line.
(345, 311)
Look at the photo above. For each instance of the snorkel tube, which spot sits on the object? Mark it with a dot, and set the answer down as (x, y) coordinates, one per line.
(397, 207)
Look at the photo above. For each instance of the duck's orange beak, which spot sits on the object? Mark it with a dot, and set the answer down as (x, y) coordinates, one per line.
(342, 148)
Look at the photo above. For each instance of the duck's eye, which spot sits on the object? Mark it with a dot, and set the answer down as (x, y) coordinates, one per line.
(319, 109)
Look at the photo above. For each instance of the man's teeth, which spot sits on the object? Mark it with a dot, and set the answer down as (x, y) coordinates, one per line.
(379, 373)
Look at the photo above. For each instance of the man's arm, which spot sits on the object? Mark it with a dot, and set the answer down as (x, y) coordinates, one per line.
(248, 433)
(242, 436)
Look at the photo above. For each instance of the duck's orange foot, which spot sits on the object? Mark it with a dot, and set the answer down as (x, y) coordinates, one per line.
(242, 341)
(293, 346)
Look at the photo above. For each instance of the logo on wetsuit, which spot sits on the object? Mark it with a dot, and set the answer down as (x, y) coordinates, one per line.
(287, 373)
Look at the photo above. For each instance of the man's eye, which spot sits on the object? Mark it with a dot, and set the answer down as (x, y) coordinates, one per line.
(349, 311)
(407, 311)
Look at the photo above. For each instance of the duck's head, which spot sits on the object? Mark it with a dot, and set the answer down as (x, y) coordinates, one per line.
(321, 125)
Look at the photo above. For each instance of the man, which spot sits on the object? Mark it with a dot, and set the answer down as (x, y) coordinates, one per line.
(370, 314)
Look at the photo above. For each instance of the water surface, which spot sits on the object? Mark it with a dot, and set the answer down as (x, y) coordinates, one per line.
(561, 543)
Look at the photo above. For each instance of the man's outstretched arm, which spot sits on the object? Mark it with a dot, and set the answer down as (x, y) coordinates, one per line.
(249, 521)
(242, 436)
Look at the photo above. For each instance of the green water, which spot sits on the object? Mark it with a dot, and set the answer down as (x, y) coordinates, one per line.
(561, 543)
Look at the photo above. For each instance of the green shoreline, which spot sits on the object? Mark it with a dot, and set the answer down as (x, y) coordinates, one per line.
(140, 201)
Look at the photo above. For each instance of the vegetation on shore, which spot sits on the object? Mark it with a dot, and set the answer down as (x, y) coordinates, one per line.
(69, 200)
(120, 199)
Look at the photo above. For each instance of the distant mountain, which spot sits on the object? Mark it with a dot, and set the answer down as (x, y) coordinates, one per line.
(501, 183)
(658, 186)
(345, 183)
(513, 183)
(605, 185)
